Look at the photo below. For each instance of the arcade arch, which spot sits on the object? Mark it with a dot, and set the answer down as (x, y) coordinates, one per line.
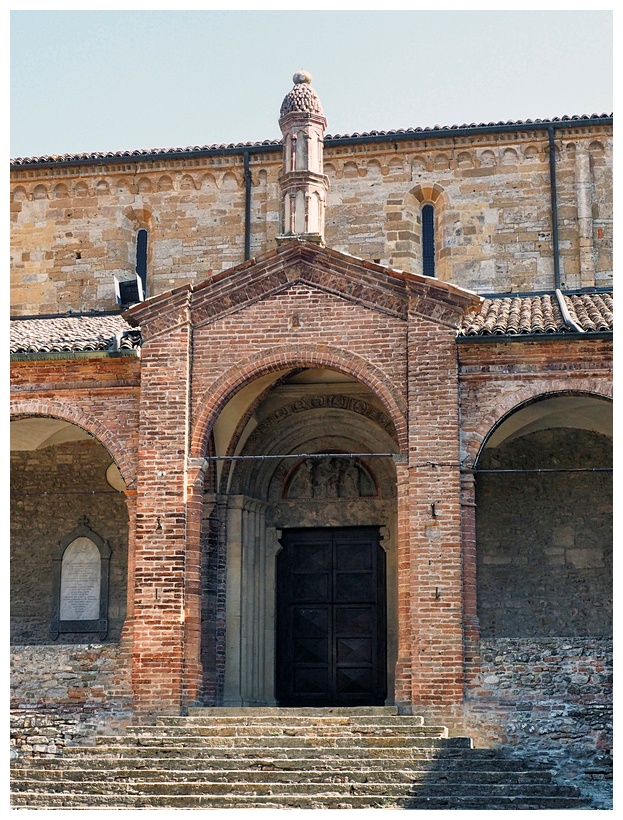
(62, 479)
(544, 520)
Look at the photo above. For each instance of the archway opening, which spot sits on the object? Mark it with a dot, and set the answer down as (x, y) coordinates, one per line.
(312, 455)
(66, 490)
(544, 521)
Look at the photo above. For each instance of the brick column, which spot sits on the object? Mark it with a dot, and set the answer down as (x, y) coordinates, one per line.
(166, 565)
(403, 561)
(434, 513)
(471, 624)
(127, 630)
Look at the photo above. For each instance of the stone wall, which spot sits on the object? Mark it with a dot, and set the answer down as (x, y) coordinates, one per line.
(52, 489)
(66, 693)
(545, 539)
(551, 697)
(75, 228)
(543, 698)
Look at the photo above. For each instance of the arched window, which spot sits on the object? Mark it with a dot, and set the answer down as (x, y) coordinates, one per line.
(428, 240)
(141, 258)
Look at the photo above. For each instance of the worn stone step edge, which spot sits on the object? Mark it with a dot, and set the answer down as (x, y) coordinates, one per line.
(282, 775)
(236, 763)
(284, 711)
(178, 789)
(78, 754)
(301, 801)
(286, 741)
(328, 720)
(284, 731)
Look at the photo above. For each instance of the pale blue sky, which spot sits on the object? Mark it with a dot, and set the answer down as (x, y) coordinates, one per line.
(115, 80)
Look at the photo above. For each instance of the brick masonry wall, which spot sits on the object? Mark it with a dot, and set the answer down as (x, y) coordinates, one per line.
(73, 229)
(100, 395)
(496, 378)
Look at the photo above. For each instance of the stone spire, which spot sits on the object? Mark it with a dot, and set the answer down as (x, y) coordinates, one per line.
(302, 182)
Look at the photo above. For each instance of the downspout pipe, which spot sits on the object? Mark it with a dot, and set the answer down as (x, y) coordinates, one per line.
(554, 204)
(247, 207)
(565, 313)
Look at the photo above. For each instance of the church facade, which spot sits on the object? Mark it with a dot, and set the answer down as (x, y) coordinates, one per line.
(318, 421)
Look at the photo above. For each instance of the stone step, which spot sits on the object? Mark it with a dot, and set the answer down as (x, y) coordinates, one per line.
(291, 720)
(262, 742)
(261, 732)
(172, 801)
(400, 756)
(113, 786)
(430, 776)
(285, 711)
(473, 761)
(285, 758)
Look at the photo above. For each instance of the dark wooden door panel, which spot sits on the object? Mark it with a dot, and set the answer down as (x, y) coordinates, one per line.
(331, 618)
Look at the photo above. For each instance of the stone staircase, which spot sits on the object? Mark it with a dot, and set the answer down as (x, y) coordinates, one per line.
(286, 758)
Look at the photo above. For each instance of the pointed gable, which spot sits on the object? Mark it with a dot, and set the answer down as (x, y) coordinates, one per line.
(363, 283)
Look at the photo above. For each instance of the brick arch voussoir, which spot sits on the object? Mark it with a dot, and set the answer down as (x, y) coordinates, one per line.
(491, 420)
(74, 415)
(229, 383)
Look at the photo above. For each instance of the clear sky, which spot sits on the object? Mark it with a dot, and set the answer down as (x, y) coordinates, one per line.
(114, 80)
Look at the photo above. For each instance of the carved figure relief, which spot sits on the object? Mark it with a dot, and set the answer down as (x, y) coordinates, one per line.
(332, 477)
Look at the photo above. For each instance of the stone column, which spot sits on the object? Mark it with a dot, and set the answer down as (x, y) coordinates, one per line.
(232, 695)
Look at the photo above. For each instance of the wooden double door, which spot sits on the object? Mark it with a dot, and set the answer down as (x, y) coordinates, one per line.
(331, 618)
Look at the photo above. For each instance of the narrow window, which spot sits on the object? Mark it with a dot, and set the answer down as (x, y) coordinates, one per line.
(141, 258)
(428, 240)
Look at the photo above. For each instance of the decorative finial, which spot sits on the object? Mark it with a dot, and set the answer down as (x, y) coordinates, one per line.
(302, 77)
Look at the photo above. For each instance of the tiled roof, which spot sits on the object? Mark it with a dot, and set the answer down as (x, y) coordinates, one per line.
(506, 316)
(72, 334)
(516, 315)
(276, 144)
(592, 312)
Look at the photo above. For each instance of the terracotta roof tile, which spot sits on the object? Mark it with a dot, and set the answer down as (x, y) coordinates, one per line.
(505, 316)
(592, 312)
(137, 154)
(516, 315)
(72, 334)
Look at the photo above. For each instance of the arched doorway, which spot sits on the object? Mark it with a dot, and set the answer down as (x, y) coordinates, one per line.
(306, 516)
(544, 520)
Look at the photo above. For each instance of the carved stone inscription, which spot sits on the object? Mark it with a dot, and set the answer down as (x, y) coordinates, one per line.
(80, 581)
(330, 478)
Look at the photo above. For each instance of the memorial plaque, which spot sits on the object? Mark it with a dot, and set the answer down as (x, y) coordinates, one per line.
(81, 576)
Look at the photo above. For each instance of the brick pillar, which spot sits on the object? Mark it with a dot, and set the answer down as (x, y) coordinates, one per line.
(164, 668)
(434, 514)
(471, 624)
(403, 561)
(127, 631)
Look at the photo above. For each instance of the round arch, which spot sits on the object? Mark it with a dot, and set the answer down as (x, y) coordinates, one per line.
(475, 439)
(543, 504)
(218, 394)
(74, 415)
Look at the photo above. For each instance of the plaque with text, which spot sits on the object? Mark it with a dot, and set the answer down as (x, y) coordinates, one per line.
(81, 567)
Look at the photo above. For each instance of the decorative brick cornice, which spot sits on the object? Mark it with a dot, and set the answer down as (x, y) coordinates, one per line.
(162, 314)
(359, 281)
